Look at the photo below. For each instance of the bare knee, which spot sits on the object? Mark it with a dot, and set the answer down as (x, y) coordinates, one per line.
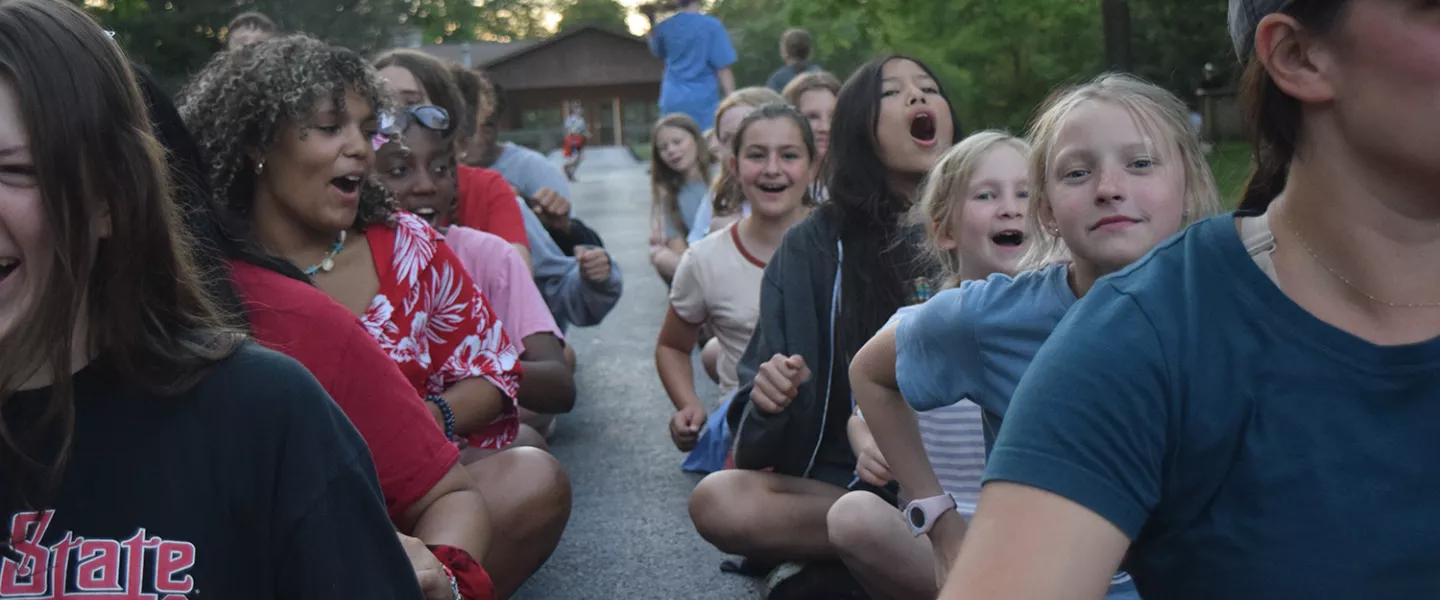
(710, 357)
(720, 506)
(858, 520)
(530, 437)
(544, 481)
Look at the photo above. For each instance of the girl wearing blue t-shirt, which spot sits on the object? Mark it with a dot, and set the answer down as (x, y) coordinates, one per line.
(1116, 170)
(1251, 410)
(973, 208)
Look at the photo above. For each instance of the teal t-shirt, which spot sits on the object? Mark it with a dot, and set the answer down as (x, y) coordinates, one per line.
(1247, 448)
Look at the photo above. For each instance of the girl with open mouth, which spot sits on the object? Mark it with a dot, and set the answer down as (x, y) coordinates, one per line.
(223, 467)
(1113, 147)
(718, 283)
(832, 283)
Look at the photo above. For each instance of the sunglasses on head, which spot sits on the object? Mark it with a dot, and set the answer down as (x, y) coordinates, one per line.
(424, 115)
(394, 123)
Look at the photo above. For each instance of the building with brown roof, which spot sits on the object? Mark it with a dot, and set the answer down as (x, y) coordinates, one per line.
(611, 73)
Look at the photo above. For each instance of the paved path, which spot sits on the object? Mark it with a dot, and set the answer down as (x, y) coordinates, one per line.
(630, 534)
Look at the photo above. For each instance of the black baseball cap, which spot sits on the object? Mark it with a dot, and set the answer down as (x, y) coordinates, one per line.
(1244, 17)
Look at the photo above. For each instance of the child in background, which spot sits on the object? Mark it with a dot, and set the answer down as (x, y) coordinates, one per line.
(1117, 170)
(813, 94)
(679, 181)
(718, 280)
(973, 208)
(575, 134)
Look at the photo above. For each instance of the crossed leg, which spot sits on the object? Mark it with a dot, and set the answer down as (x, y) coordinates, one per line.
(874, 543)
(764, 515)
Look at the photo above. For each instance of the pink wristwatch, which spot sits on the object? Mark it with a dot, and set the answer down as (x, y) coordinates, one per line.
(921, 514)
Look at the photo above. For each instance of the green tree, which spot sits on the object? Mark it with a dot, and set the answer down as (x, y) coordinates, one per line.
(175, 38)
(756, 26)
(998, 60)
(604, 13)
(443, 21)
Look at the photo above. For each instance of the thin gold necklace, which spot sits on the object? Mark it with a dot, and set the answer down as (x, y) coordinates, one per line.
(1284, 214)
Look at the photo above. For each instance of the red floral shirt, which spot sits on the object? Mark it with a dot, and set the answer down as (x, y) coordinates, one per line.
(432, 320)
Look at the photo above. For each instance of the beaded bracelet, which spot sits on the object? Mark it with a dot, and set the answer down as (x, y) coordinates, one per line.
(454, 584)
(446, 413)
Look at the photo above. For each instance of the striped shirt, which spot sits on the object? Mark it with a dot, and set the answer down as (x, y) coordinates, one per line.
(954, 440)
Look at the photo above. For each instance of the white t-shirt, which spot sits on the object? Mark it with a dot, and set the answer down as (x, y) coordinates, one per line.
(575, 124)
(718, 283)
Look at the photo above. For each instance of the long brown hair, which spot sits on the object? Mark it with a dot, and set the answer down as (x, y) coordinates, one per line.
(129, 281)
(1272, 116)
(665, 182)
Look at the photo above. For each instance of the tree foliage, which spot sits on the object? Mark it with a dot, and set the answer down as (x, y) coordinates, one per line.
(445, 21)
(175, 38)
(604, 13)
(998, 60)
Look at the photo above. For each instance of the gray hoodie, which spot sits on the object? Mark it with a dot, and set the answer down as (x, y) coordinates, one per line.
(572, 299)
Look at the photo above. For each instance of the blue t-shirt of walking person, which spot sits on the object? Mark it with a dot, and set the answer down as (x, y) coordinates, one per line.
(693, 47)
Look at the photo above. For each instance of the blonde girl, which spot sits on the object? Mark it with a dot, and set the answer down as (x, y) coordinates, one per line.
(1115, 170)
(814, 94)
(1250, 411)
(972, 206)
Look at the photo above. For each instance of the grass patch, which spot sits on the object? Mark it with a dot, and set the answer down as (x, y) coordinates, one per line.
(642, 151)
(1230, 161)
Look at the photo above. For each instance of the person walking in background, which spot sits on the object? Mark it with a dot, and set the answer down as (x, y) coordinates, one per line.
(697, 54)
(795, 47)
(249, 28)
(575, 134)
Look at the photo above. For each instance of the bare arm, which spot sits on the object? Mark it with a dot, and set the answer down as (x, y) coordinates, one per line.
(672, 360)
(859, 433)
(475, 403)
(666, 258)
(897, 433)
(524, 253)
(452, 513)
(548, 385)
(727, 80)
(1028, 543)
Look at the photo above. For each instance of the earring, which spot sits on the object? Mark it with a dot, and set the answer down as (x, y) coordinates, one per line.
(260, 166)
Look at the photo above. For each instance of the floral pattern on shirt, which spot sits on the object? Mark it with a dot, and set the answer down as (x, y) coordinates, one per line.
(433, 321)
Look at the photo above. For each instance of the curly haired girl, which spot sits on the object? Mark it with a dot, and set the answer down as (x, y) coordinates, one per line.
(290, 127)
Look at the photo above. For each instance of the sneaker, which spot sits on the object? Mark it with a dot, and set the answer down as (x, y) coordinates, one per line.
(827, 580)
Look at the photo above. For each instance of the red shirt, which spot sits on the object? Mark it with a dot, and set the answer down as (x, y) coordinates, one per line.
(487, 202)
(432, 321)
(290, 317)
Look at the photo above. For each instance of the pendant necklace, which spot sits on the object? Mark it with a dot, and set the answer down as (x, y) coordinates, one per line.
(329, 262)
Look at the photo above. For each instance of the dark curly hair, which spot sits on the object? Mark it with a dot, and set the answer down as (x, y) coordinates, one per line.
(242, 99)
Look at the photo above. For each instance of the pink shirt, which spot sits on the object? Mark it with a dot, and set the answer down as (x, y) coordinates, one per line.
(505, 280)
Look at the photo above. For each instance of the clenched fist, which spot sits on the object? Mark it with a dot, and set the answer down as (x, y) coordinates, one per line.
(594, 263)
(552, 208)
(778, 382)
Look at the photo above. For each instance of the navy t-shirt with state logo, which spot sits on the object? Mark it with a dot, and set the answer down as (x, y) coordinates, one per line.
(251, 485)
(1248, 449)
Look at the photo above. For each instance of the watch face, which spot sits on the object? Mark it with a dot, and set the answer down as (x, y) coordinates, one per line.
(917, 517)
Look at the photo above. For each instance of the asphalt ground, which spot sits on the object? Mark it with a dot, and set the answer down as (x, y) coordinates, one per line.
(630, 534)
